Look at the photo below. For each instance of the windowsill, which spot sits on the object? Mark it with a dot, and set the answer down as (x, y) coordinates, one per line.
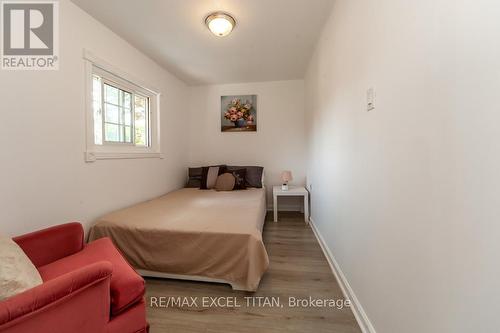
(92, 156)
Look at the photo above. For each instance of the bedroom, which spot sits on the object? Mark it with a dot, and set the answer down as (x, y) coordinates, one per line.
(366, 129)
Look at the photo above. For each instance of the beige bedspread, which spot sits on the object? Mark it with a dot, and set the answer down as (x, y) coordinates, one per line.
(194, 232)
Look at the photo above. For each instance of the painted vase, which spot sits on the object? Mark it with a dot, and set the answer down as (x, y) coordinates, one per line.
(239, 123)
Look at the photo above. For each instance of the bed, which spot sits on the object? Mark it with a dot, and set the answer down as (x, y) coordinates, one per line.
(193, 234)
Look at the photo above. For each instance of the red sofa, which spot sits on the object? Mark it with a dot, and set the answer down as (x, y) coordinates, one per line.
(86, 288)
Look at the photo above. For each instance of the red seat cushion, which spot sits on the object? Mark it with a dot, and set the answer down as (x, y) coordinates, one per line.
(127, 287)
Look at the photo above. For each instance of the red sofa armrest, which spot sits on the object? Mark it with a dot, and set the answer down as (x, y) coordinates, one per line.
(48, 245)
(78, 301)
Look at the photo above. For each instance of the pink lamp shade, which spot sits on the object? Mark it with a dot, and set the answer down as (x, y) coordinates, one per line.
(286, 176)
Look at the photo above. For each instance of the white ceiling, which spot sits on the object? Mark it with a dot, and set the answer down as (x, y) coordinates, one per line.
(273, 39)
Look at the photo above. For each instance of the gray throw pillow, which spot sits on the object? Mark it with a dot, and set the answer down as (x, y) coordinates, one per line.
(195, 172)
(253, 176)
(194, 180)
(193, 183)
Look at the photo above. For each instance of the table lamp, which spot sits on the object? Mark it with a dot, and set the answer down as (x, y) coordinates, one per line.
(286, 176)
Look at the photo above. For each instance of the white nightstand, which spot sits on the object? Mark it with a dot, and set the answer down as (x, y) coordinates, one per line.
(292, 191)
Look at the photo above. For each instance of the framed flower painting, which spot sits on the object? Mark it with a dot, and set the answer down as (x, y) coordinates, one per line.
(239, 113)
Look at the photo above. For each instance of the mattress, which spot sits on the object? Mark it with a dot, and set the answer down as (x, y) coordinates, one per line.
(192, 232)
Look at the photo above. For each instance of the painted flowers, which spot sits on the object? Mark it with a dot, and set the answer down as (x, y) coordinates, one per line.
(239, 112)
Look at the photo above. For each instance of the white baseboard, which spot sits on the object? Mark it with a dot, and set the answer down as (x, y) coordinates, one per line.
(360, 314)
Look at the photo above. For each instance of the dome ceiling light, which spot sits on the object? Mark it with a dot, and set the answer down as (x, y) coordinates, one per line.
(220, 24)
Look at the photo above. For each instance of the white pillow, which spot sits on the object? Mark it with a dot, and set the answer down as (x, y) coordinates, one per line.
(17, 272)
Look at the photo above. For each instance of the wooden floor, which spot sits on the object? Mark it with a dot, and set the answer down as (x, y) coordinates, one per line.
(297, 268)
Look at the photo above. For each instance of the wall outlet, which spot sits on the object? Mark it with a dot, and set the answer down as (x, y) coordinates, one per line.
(370, 99)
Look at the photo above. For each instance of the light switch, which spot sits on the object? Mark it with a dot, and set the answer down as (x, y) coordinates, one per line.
(370, 99)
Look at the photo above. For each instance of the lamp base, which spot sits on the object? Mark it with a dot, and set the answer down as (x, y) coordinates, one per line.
(284, 187)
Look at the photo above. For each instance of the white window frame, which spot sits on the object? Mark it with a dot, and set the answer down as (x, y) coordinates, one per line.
(122, 80)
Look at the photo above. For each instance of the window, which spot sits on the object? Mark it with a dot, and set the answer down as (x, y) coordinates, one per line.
(122, 117)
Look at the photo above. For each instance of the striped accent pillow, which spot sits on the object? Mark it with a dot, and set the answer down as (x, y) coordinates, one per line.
(209, 176)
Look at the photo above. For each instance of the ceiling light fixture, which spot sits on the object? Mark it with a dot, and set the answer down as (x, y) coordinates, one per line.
(220, 24)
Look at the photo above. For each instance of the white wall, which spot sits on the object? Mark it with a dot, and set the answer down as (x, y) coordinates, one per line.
(44, 179)
(278, 144)
(408, 196)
